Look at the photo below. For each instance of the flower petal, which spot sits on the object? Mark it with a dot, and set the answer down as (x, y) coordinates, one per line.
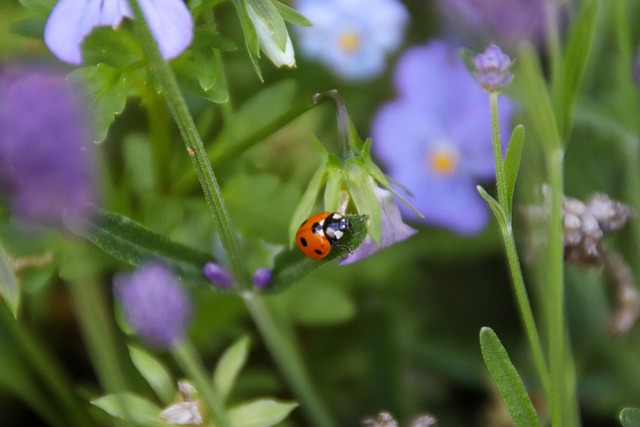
(170, 23)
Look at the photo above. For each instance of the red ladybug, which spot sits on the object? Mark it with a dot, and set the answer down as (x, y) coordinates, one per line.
(319, 232)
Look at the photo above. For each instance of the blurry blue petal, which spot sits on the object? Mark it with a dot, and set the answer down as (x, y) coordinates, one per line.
(394, 230)
(171, 25)
(71, 21)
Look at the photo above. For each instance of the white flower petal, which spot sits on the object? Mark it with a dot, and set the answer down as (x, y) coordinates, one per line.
(170, 23)
(183, 413)
(268, 44)
(71, 21)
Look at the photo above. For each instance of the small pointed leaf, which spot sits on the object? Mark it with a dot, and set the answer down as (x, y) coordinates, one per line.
(128, 406)
(260, 413)
(154, 372)
(291, 15)
(361, 189)
(498, 211)
(512, 162)
(9, 290)
(229, 366)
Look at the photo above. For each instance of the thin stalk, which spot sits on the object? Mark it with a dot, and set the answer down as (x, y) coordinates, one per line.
(343, 120)
(501, 180)
(189, 362)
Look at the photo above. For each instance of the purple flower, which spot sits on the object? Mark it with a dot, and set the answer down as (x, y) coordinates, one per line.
(218, 275)
(505, 21)
(435, 138)
(155, 304)
(45, 154)
(493, 69)
(352, 37)
(394, 230)
(71, 21)
(262, 278)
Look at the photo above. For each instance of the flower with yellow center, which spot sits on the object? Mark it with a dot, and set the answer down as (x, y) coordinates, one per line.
(349, 42)
(443, 160)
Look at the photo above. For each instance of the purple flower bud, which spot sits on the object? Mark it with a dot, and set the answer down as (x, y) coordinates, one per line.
(262, 278)
(493, 69)
(155, 304)
(218, 275)
(45, 154)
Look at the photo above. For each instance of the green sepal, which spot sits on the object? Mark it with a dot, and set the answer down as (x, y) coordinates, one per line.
(250, 36)
(512, 163)
(307, 201)
(512, 390)
(268, 12)
(363, 195)
(260, 413)
(289, 14)
(333, 186)
(132, 243)
(9, 289)
(355, 142)
(630, 417)
(229, 366)
(290, 265)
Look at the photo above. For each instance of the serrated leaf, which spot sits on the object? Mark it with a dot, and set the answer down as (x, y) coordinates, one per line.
(497, 210)
(291, 15)
(132, 243)
(260, 413)
(229, 366)
(512, 162)
(128, 406)
(290, 265)
(154, 372)
(105, 94)
(630, 417)
(307, 202)
(506, 377)
(363, 195)
(9, 289)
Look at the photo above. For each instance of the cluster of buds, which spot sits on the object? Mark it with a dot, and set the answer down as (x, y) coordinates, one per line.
(385, 419)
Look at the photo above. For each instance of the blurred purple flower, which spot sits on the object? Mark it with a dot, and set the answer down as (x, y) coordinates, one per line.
(218, 275)
(262, 278)
(435, 138)
(493, 69)
(352, 37)
(394, 230)
(505, 21)
(72, 20)
(155, 304)
(45, 154)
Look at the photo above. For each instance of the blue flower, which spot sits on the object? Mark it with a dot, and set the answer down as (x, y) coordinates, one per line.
(155, 304)
(493, 69)
(72, 20)
(218, 275)
(352, 37)
(45, 154)
(435, 138)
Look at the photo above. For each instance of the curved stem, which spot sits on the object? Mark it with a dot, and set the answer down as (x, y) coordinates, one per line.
(343, 119)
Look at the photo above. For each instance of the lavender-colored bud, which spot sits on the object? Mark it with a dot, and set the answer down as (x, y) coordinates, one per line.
(262, 278)
(493, 69)
(155, 304)
(218, 275)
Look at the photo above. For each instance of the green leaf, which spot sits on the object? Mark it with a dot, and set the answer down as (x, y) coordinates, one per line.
(307, 202)
(579, 44)
(229, 366)
(498, 211)
(250, 35)
(290, 265)
(630, 417)
(130, 242)
(39, 7)
(534, 90)
(266, 11)
(9, 290)
(189, 75)
(105, 93)
(128, 406)
(207, 61)
(506, 377)
(512, 162)
(332, 189)
(291, 15)
(260, 413)
(361, 189)
(154, 372)
(30, 27)
(321, 305)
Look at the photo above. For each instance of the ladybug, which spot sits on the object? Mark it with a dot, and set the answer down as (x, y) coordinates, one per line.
(319, 232)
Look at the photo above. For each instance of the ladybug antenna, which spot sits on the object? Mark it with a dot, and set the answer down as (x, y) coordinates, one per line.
(343, 119)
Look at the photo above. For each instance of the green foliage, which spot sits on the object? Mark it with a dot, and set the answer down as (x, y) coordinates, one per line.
(154, 372)
(260, 413)
(229, 366)
(128, 406)
(9, 291)
(512, 163)
(630, 417)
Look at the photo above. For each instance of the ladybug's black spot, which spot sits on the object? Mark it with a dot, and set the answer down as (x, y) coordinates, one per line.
(318, 251)
(303, 242)
(316, 228)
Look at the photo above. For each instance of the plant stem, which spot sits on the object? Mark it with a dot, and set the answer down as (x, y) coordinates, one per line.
(501, 181)
(187, 358)
(343, 120)
(289, 361)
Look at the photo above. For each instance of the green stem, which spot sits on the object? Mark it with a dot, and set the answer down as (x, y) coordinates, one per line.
(501, 180)
(289, 362)
(187, 358)
(343, 119)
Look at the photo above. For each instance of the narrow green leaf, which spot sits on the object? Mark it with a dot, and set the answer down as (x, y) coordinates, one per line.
(307, 201)
(130, 242)
(154, 372)
(630, 417)
(512, 162)
(250, 35)
(229, 366)
(361, 189)
(105, 93)
(506, 377)
(534, 90)
(9, 290)
(290, 265)
(291, 15)
(579, 44)
(128, 406)
(260, 413)
(267, 12)
(333, 188)
(497, 210)
(208, 68)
